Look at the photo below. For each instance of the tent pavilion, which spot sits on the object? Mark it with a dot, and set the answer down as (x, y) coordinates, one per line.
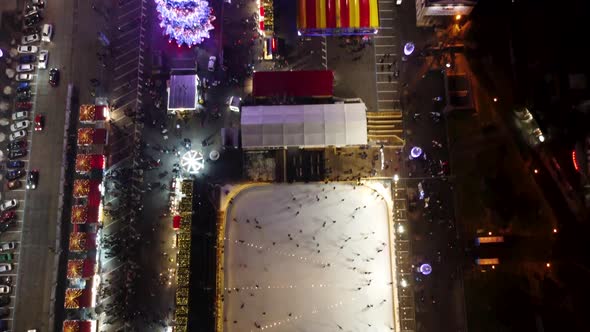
(318, 125)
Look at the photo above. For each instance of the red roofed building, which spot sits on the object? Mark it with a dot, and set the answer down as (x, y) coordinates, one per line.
(304, 83)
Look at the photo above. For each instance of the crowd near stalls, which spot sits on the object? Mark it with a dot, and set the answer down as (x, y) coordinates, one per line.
(83, 266)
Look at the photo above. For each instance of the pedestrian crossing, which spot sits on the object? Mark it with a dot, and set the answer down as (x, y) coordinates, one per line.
(386, 128)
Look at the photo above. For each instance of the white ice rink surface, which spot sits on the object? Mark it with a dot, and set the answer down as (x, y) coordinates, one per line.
(288, 286)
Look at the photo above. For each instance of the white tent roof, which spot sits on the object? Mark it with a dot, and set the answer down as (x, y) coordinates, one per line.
(304, 125)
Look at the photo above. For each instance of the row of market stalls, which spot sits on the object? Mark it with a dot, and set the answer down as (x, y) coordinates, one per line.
(83, 279)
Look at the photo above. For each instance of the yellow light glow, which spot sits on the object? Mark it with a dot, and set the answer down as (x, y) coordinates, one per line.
(457, 17)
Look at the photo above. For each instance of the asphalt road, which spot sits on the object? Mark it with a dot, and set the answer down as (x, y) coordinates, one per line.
(37, 261)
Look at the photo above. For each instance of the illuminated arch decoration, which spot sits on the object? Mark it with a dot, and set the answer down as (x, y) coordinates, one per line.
(75, 268)
(185, 21)
(73, 298)
(82, 163)
(77, 241)
(81, 188)
(85, 136)
(79, 214)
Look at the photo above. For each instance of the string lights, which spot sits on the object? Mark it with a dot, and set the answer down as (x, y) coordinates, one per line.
(185, 21)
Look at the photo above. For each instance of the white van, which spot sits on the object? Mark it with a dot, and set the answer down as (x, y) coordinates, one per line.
(47, 33)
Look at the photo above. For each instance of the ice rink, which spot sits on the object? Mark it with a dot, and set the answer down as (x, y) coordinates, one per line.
(308, 257)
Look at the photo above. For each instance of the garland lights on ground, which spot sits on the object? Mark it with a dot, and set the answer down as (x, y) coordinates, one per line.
(186, 21)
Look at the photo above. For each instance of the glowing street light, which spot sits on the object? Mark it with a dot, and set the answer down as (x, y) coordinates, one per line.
(457, 17)
(404, 283)
(401, 229)
(395, 178)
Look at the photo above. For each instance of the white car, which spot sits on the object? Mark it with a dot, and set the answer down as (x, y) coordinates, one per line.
(22, 77)
(234, 103)
(24, 124)
(211, 65)
(38, 3)
(47, 32)
(4, 289)
(20, 115)
(43, 59)
(18, 135)
(29, 39)
(25, 68)
(8, 205)
(6, 246)
(523, 114)
(5, 267)
(27, 49)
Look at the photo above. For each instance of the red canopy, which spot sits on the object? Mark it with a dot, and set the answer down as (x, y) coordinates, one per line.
(94, 194)
(176, 222)
(304, 83)
(92, 216)
(77, 326)
(100, 136)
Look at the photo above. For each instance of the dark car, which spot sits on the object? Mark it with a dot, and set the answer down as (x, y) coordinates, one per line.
(17, 145)
(25, 88)
(15, 154)
(4, 227)
(30, 30)
(4, 300)
(32, 19)
(15, 164)
(4, 312)
(54, 76)
(23, 96)
(8, 216)
(29, 58)
(15, 174)
(33, 179)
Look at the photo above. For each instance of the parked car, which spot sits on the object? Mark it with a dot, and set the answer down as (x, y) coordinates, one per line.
(4, 300)
(38, 3)
(15, 184)
(27, 49)
(18, 135)
(23, 96)
(17, 145)
(30, 30)
(32, 19)
(33, 179)
(4, 312)
(5, 267)
(23, 86)
(9, 204)
(5, 226)
(54, 77)
(7, 216)
(39, 122)
(29, 58)
(20, 115)
(5, 258)
(7, 246)
(4, 289)
(43, 59)
(24, 105)
(29, 39)
(47, 32)
(15, 154)
(24, 77)
(15, 164)
(19, 125)
(14, 174)
(25, 68)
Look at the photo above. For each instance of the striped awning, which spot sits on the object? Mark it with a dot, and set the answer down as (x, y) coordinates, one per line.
(337, 16)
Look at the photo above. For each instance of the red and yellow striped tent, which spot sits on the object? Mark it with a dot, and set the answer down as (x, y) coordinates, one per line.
(325, 17)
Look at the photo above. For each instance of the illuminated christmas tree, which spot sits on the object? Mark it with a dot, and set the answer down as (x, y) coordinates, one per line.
(186, 21)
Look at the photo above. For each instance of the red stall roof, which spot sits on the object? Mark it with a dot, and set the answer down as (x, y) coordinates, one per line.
(94, 194)
(304, 83)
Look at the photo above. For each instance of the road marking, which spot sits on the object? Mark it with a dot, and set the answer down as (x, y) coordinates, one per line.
(123, 54)
(388, 45)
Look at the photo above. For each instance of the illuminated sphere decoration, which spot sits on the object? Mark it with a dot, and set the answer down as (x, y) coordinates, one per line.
(192, 162)
(425, 269)
(409, 48)
(415, 152)
(185, 21)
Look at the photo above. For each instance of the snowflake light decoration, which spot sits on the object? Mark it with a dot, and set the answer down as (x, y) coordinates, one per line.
(186, 21)
(192, 162)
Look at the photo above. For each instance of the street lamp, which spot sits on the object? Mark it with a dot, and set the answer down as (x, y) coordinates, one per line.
(396, 178)
(457, 17)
